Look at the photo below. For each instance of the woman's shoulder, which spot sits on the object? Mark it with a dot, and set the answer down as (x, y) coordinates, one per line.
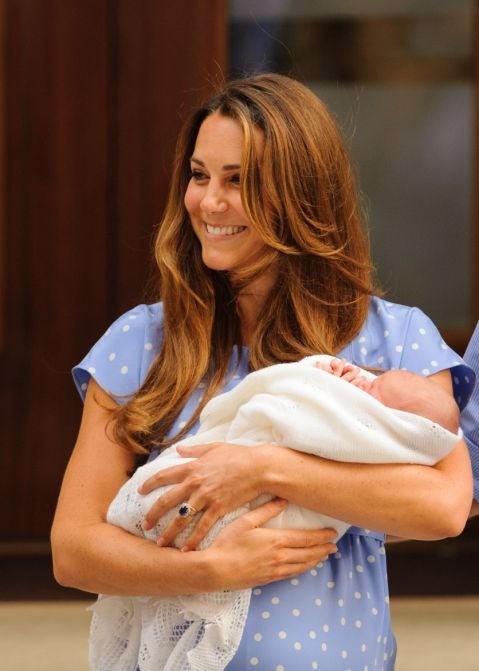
(391, 330)
(395, 326)
(119, 361)
(386, 318)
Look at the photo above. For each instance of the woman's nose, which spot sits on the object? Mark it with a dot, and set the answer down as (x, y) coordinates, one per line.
(214, 200)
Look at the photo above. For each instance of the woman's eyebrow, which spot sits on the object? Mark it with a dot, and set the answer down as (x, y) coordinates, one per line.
(233, 166)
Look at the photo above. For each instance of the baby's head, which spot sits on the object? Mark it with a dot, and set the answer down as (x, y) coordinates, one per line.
(411, 392)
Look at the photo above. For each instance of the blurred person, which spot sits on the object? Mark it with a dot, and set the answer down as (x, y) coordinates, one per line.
(470, 416)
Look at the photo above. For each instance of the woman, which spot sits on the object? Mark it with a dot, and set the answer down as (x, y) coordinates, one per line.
(262, 259)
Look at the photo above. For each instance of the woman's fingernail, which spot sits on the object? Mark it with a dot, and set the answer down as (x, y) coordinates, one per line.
(185, 548)
(146, 526)
(160, 541)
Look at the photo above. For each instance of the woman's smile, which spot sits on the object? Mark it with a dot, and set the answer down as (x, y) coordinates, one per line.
(223, 231)
(213, 197)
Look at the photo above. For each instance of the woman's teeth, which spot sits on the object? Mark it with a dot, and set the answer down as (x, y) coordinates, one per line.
(224, 230)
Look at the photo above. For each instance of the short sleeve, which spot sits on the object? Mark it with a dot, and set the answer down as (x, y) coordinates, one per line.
(400, 337)
(470, 415)
(121, 359)
(422, 334)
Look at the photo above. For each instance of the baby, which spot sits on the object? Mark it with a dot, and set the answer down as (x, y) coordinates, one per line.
(402, 390)
(402, 417)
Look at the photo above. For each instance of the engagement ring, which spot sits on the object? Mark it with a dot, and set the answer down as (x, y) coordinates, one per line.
(186, 510)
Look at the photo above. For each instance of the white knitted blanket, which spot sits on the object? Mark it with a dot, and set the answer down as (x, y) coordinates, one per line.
(295, 405)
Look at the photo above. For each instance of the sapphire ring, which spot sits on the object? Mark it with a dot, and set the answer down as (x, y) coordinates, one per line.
(186, 510)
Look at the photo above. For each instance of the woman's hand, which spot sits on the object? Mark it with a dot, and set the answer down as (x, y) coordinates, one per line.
(247, 554)
(220, 479)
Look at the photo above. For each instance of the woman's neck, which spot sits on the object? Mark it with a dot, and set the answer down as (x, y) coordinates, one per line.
(251, 300)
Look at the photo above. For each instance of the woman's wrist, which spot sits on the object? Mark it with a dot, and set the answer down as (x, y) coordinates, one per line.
(207, 568)
(272, 469)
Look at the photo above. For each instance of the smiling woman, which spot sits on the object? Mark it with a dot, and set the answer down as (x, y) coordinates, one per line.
(262, 259)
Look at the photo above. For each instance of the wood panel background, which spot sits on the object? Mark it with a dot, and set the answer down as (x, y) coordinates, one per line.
(91, 98)
(2, 176)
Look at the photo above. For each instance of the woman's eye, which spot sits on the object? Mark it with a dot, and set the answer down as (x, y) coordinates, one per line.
(235, 179)
(197, 175)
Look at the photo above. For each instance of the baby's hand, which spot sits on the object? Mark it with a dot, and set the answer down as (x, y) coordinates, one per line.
(340, 368)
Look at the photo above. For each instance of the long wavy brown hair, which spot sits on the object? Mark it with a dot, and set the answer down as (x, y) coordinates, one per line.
(300, 196)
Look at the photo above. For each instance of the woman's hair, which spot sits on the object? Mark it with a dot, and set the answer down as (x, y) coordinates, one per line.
(300, 197)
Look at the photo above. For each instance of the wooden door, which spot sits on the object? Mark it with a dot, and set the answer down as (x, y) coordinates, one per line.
(91, 98)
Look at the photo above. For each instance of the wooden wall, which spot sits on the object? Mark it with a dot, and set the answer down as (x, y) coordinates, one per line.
(91, 97)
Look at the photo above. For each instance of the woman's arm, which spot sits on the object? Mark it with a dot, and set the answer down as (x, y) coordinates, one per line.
(92, 555)
(409, 501)
(405, 500)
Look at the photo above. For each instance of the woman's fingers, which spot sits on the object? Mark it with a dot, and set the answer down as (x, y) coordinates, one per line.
(251, 519)
(170, 500)
(170, 475)
(262, 514)
(203, 523)
(165, 476)
(177, 494)
(186, 512)
(195, 450)
(217, 482)
(266, 555)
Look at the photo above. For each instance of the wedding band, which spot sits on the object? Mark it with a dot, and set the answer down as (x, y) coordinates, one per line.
(186, 510)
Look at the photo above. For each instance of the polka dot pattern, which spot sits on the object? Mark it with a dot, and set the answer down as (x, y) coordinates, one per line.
(315, 634)
(122, 357)
(335, 616)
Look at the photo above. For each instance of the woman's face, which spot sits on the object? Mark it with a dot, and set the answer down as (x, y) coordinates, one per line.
(213, 198)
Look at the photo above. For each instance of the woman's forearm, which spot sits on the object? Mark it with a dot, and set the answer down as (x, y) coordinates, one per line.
(407, 500)
(104, 558)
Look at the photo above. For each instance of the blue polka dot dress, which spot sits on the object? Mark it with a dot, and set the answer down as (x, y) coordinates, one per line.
(334, 617)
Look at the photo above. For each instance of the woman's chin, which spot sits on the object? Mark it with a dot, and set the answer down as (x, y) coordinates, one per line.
(215, 263)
